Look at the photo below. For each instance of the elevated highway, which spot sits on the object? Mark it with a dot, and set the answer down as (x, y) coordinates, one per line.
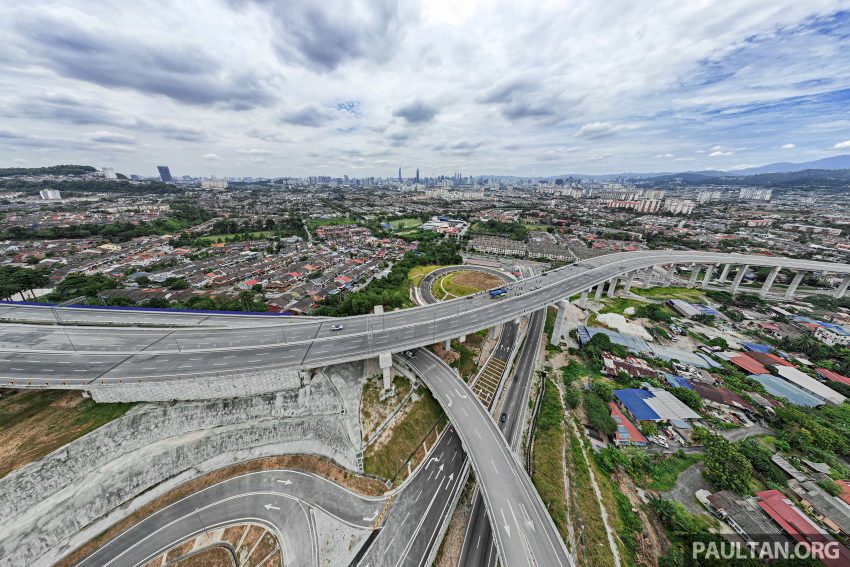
(86, 357)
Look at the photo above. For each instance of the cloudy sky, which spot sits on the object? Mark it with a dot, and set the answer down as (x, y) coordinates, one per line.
(292, 87)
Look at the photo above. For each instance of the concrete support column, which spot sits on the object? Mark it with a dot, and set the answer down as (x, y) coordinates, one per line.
(668, 279)
(694, 273)
(725, 273)
(792, 287)
(739, 277)
(842, 287)
(627, 282)
(385, 361)
(709, 271)
(647, 277)
(599, 289)
(612, 287)
(557, 328)
(582, 302)
(461, 339)
(447, 345)
(768, 282)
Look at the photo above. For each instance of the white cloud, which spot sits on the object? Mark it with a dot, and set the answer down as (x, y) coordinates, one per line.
(788, 146)
(742, 166)
(263, 79)
(211, 157)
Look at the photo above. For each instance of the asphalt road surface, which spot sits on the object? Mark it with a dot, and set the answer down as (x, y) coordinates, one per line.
(524, 532)
(281, 500)
(40, 355)
(479, 549)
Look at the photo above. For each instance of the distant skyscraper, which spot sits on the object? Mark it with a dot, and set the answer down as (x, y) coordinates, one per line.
(417, 175)
(399, 175)
(164, 173)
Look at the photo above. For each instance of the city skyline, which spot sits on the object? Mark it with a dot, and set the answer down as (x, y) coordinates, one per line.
(244, 88)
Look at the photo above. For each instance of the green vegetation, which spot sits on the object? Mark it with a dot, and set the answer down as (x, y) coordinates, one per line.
(233, 237)
(37, 422)
(683, 293)
(620, 304)
(759, 457)
(654, 312)
(548, 472)
(15, 280)
(689, 397)
(51, 170)
(447, 284)
(512, 230)
(392, 290)
(726, 467)
(316, 223)
(395, 445)
(182, 217)
(416, 274)
(466, 363)
(405, 224)
(597, 412)
(655, 472)
(549, 323)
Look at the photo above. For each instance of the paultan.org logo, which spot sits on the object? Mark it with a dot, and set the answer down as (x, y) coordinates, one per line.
(721, 550)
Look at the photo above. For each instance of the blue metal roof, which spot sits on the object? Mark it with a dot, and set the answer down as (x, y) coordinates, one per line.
(756, 347)
(677, 381)
(781, 388)
(633, 400)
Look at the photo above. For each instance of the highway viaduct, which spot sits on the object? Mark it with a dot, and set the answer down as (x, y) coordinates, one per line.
(147, 362)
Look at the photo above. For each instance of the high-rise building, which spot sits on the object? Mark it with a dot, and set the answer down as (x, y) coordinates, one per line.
(399, 176)
(109, 173)
(417, 175)
(164, 173)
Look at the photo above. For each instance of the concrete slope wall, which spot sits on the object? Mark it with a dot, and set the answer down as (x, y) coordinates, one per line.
(46, 504)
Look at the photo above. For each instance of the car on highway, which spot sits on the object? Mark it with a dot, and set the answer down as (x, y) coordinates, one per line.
(336, 327)
(409, 354)
(504, 418)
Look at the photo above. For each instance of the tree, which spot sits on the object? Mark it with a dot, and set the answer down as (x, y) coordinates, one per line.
(143, 281)
(598, 414)
(718, 342)
(725, 466)
(689, 397)
(603, 390)
(760, 457)
(572, 397)
(654, 312)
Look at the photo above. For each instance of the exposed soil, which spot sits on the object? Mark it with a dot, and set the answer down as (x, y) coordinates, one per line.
(477, 280)
(210, 557)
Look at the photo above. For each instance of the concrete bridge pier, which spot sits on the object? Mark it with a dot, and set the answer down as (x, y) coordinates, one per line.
(627, 284)
(694, 273)
(668, 279)
(709, 271)
(725, 273)
(612, 287)
(599, 289)
(447, 345)
(582, 302)
(557, 328)
(768, 282)
(842, 287)
(739, 277)
(647, 277)
(792, 287)
(385, 361)
(461, 339)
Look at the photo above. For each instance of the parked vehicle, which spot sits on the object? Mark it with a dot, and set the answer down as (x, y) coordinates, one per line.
(336, 327)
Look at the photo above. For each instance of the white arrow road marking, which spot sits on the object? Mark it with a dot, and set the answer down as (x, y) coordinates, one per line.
(460, 394)
(372, 517)
(271, 507)
(528, 521)
(287, 481)
(431, 460)
(505, 520)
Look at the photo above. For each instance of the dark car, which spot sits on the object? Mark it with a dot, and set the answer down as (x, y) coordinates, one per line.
(504, 418)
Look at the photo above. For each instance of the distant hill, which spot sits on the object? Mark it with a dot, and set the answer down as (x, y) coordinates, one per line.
(804, 179)
(51, 170)
(834, 162)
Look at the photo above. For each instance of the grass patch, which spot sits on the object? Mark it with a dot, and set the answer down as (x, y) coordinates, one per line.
(548, 476)
(620, 304)
(373, 411)
(405, 224)
(683, 293)
(536, 226)
(216, 238)
(390, 451)
(593, 548)
(316, 223)
(37, 422)
(416, 274)
(549, 325)
(664, 473)
(466, 363)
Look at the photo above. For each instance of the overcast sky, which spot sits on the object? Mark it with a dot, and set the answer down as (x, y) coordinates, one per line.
(254, 87)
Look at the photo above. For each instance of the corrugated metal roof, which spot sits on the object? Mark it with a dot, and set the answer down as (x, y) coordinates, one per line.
(781, 388)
